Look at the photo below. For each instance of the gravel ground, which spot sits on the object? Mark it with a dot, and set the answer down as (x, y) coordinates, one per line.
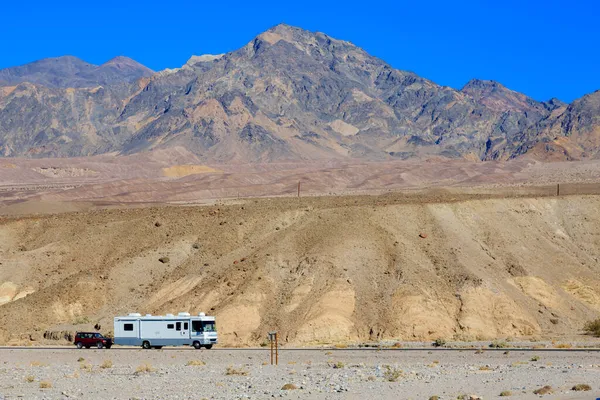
(318, 374)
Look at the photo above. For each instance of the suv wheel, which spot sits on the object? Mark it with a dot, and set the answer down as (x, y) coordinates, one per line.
(146, 345)
(79, 345)
(197, 345)
(99, 345)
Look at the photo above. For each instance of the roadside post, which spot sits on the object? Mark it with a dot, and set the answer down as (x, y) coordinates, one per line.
(274, 348)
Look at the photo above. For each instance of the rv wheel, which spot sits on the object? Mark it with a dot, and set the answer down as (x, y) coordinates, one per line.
(79, 345)
(197, 345)
(146, 345)
(208, 346)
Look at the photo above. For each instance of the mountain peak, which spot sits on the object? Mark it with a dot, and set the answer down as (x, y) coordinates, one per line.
(482, 84)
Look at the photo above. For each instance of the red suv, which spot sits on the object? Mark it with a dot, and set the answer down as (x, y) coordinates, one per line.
(89, 339)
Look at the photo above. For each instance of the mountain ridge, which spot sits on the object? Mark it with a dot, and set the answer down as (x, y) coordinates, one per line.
(290, 94)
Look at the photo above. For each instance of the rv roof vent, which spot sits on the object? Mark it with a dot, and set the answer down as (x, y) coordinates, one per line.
(169, 315)
(201, 314)
(184, 314)
(134, 314)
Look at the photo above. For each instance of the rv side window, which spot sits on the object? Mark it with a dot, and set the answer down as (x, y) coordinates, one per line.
(128, 327)
(170, 326)
(185, 326)
(178, 326)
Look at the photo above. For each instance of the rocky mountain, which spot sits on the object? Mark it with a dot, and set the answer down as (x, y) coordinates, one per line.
(289, 94)
(71, 72)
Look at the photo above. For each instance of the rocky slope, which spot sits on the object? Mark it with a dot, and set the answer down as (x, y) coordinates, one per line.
(319, 270)
(289, 94)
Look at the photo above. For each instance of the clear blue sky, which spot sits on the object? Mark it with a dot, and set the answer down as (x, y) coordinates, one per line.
(543, 48)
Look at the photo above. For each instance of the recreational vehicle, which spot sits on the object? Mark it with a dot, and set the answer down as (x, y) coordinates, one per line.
(156, 331)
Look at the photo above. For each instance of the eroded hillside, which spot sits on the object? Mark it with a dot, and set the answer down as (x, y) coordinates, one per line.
(318, 270)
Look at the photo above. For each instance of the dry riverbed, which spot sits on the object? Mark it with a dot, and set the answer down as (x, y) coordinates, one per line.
(318, 374)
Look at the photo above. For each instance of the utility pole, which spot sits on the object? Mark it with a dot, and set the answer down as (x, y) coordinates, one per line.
(298, 189)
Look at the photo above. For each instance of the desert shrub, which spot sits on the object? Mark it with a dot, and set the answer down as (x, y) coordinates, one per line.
(434, 398)
(195, 363)
(439, 342)
(86, 367)
(544, 390)
(593, 327)
(289, 386)
(164, 260)
(236, 371)
(37, 364)
(582, 387)
(338, 365)
(80, 359)
(106, 364)
(535, 358)
(563, 346)
(29, 378)
(144, 368)
(45, 385)
(391, 374)
(505, 393)
(498, 344)
(485, 368)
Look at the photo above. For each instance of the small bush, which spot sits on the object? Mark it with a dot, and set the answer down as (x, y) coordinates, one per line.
(289, 386)
(45, 385)
(80, 359)
(485, 368)
(582, 387)
(106, 364)
(439, 342)
(434, 398)
(86, 367)
(593, 327)
(506, 393)
(479, 351)
(391, 374)
(535, 358)
(164, 260)
(544, 390)
(144, 368)
(499, 345)
(195, 363)
(235, 371)
(563, 346)
(341, 346)
(338, 365)
(29, 378)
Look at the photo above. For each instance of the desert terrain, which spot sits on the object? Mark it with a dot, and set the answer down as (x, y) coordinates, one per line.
(453, 261)
(317, 374)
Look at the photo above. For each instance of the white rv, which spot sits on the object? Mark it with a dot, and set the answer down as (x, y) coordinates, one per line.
(156, 331)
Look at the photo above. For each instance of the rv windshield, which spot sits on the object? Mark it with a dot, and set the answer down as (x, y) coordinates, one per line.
(209, 326)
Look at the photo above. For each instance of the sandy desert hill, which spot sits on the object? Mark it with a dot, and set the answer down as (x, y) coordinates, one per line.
(320, 269)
